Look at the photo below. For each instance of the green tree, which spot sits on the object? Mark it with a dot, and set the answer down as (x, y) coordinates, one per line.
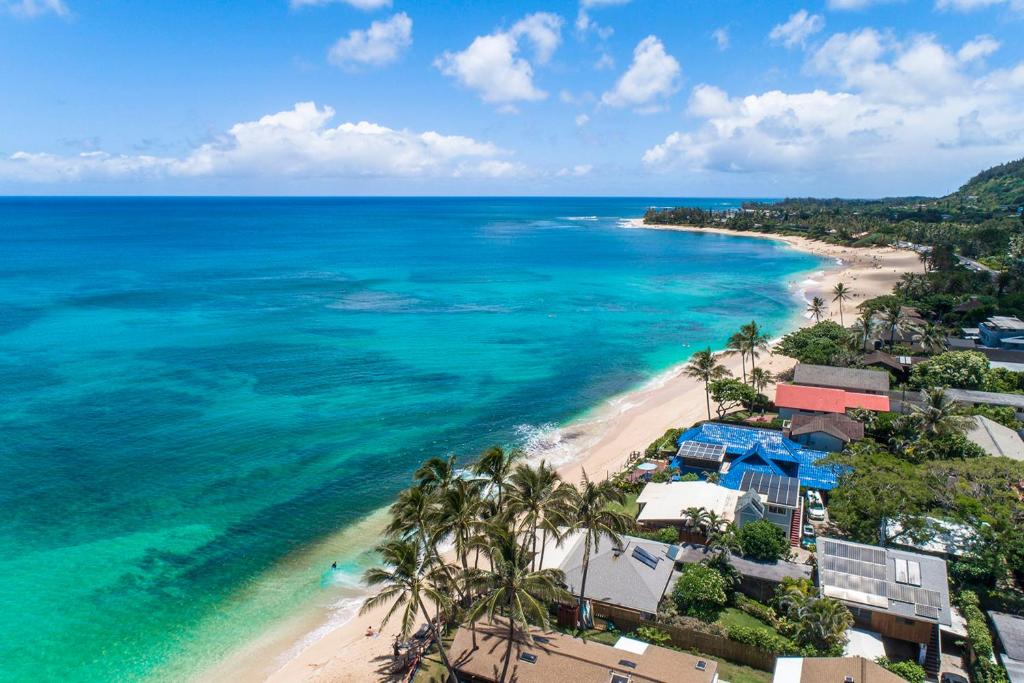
(509, 588)
(907, 670)
(894, 319)
(703, 366)
(817, 344)
(938, 415)
(700, 592)
(729, 394)
(932, 339)
(762, 540)
(760, 379)
(458, 518)
(496, 464)
(816, 308)
(737, 345)
(537, 497)
(864, 327)
(755, 340)
(436, 473)
(405, 580)
(840, 294)
(591, 515)
(955, 369)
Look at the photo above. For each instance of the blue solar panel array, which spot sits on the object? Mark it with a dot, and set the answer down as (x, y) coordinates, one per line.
(645, 557)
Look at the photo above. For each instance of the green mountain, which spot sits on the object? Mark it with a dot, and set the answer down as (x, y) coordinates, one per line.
(998, 188)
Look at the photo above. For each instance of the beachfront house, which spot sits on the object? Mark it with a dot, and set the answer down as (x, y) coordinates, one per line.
(794, 398)
(478, 657)
(831, 670)
(848, 379)
(667, 505)
(758, 450)
(897, 594)
(829, 432)
(625, 582)
(1002, 331)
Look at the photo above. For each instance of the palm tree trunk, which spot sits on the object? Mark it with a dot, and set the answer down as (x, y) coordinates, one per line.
(841, 313)
(533, 550)
(743, 364)
(707, 395)
(543, 545)
(583, 582)
(440, 643)
(508, 649)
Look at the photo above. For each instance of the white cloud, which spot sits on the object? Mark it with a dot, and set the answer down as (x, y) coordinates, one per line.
(294, 143)
(798, 28)
(29, 9)
(853, 4)
(584, 23)
(653, 75)
(378, 45)
(490, 64)
(979, 48)
(721, 36)
(358, 4)
(905, 108)
(582, 120)
(605, 61)
(577, 171)
(965, 5)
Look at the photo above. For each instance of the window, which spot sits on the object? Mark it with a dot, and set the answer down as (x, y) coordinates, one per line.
(776, 510)
(527, 657)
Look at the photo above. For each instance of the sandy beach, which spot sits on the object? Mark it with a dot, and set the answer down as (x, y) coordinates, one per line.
(605, 438)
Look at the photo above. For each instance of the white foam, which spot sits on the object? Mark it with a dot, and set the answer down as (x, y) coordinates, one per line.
(338, 614)
(579, 218)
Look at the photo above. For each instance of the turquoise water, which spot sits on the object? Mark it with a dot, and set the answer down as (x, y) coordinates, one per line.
(196, 393)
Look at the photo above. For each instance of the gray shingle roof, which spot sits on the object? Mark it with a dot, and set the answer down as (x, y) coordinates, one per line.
(1010, 631)
(851, 379)
(986, 398)
(767, 571)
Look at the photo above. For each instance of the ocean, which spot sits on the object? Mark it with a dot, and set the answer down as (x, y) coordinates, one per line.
(198, 397)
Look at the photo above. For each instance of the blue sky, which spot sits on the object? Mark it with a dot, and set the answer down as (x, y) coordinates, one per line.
(624, 97)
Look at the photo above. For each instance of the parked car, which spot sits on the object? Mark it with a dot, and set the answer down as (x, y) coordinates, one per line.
(815, 508)
(953, 678)
(809, 530)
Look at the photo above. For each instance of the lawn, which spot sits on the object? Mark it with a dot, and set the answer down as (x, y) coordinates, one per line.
(628, 507)
(734, 617)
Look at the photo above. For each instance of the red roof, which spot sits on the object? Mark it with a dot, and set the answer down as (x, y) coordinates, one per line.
(822, 400)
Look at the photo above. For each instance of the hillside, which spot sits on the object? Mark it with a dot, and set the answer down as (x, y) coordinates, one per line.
(998, 188)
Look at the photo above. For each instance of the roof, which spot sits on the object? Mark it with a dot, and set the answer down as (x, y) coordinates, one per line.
(773, 488)
(824, 400)
(996, 439)
(764, 450)
(775, 572)
(882, 358)
(1009, 629)
(831, 670)
(986, 398)
(909, 585)
(947, 538)
(625, 577)
(851, 379)
(969, 305)
(1004, 322)
(707, 452)
(668, 501)
(1011, 366)
(838, 425)
(562, 657)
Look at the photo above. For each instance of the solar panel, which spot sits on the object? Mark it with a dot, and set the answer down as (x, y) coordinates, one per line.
(856, 567)
(901, 570)
(645, 557)
(695, 450)
(527, 657)
(853, 552)
(914, 573)
(778, 490)
(926, 611)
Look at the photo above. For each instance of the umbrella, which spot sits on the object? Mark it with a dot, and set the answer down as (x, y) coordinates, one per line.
(647, 466)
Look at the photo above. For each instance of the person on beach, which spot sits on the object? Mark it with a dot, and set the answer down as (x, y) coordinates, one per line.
(334, 565)
(369, 632)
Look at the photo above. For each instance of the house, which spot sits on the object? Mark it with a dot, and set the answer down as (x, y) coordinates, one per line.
(899, 366)
(970, 397)
(625, 581)
(790, 398)
(830, 432)
(780, 502)
(831, 670)
(758, 580)
(760, 450)
(895, 593)
(996, 439)
(941, 537)
(1002, 331)
(478, 657)
(1009, 632)
(665, 505)
(848, 379)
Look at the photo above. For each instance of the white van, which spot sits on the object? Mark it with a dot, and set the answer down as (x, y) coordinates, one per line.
(815, 508)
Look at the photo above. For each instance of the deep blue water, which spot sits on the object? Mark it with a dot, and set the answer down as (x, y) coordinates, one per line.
(194, 393)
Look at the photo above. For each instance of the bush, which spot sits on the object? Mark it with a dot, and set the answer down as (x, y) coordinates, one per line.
(954, 369)
(818, 344)
(652, 635)
(907, 670)
(667, 535)
(762, 540)
(665, 443)
(762, 640)
(700, 592)
(758, 610)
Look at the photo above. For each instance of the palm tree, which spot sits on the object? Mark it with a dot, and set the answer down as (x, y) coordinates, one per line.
(405, 579)
(705, 367)
(413, 514)
(932, 339)
(736, 345)
(535, 496)
(864, 327)
(816, 308)
(694, 518)
(761, 378)
(458, 519)
(588, 504)
(840, 294)
(436, 473)
(496, 465)
(894, 319)
(509, 587)
(754, 340)
(937, 415)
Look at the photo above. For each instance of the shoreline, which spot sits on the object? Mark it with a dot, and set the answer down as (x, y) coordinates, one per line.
(317, 648)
